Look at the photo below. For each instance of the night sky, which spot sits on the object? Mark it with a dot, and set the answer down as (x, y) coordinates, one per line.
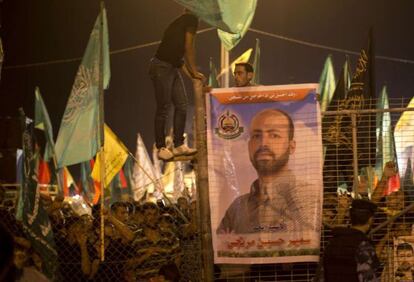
(38, 31)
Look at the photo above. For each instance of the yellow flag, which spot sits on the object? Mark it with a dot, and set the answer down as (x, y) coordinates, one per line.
(115, 156)
(243, 58)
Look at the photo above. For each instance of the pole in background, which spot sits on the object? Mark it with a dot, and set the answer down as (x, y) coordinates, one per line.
(224, 64)
(101, 133)
(355, 154)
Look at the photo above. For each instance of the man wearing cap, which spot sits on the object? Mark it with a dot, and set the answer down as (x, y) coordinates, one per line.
(350, 255)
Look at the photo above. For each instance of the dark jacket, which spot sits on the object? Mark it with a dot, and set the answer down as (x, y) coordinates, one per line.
(343, 253)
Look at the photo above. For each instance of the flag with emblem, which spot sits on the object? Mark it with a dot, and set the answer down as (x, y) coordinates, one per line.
(79, 134)
(115, 154)
(35, 220)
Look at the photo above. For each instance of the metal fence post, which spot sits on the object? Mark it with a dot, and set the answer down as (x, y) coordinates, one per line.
(202, 181)
(355, 153)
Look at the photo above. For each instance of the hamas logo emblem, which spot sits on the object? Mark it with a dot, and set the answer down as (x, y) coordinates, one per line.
(228, 126)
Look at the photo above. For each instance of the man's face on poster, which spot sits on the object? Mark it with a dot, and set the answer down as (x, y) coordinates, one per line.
(269, 143)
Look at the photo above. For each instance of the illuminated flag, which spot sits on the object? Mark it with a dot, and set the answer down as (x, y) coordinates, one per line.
(404, 138)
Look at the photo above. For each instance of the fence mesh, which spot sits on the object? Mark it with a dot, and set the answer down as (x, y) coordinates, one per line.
(146, 241)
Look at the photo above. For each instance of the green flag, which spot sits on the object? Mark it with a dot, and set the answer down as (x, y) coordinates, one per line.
(42, 122)
(79, 134)
(212, 79)
(327, 84)
(35, 220)
(385, 140)
(238, 15)
(256, 64)
(231, 17)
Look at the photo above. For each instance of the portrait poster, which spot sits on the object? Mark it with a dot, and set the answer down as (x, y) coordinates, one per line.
(403, 264)
(265, 173)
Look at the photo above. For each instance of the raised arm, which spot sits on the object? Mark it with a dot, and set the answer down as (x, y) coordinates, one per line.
(190, 67)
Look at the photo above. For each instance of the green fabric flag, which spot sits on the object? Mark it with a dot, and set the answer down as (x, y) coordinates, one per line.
(212, 79)
(327, 84)
(256, 64)
(35, 220)
(79, 134)
(385, 140)
(231, 17)
(238, 15)
(42, 122)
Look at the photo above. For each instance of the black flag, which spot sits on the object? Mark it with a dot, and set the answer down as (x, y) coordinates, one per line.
(337, 129)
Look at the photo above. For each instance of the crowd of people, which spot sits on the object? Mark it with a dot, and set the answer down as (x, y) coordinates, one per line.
(350, 253)
(143, 242)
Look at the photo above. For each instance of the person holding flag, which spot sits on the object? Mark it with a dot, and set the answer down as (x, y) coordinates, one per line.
(175, 51)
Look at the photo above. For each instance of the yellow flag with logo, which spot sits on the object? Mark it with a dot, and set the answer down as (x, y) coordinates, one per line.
(115, 156)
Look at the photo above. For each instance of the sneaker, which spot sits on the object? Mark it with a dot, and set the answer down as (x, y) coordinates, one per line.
(184, 150)
(165, 154)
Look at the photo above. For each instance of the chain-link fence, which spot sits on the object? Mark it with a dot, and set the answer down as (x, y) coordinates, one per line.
(142, 241)
(367, 140)
(155, 241)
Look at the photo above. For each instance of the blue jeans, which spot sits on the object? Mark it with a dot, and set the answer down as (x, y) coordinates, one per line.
(169, 89)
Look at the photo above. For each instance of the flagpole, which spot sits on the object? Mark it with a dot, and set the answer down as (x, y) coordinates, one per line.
(202, 181)
(101, 133)
(49, 139)
(156, 182)
(224, 60)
